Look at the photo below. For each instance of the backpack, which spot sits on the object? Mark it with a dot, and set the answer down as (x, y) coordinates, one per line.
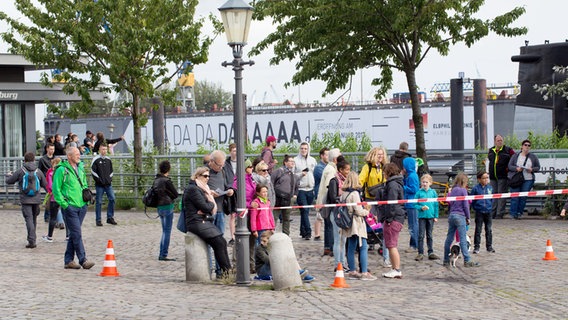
(30, 183)
(150, 198)
(341, 215)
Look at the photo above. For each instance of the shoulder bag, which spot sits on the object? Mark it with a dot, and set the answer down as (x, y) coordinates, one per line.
(518, 178)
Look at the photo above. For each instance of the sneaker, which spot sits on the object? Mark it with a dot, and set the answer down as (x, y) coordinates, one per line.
(475, 251)
(491, 250)
(303, 273)
(354, 275)
(166, 259)
(419, 257)
(111, 221)
(99, 224)
(471, 264)
(433, 256)
(72, 265)
(308, 279)
(231, 242)
(308, 237)
(387, 264)
(410, 250)
(393, 274)
(47, 239)
(87, 264)
(318, 238)
(367, 276)
(263, 278)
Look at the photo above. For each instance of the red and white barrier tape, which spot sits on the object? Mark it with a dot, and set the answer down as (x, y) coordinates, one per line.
(538, 193)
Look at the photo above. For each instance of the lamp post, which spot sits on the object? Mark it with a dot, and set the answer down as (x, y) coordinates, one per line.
(236, 16)
(111, 129)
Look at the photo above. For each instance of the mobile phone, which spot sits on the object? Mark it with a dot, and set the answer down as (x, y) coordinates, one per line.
(306, 170)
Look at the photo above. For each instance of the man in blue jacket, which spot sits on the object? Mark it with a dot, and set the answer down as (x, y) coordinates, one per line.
(483, 212)
(411, 186)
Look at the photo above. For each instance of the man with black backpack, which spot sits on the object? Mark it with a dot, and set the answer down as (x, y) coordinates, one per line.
(30, 179)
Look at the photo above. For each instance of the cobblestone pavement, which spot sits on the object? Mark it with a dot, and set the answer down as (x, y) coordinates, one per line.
(514, 283)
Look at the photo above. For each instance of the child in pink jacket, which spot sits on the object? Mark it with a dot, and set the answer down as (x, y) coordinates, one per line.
(261, 218)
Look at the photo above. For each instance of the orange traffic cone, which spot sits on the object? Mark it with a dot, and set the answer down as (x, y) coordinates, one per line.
(109, 266)
(339, 281)
(549, 255)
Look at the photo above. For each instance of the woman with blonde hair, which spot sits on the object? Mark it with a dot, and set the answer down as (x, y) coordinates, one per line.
(357, 234)
(371, 175)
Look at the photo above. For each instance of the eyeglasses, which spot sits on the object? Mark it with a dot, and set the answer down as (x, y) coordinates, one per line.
(526, 145)
(206, 176)
(218, 165)
(264, 170)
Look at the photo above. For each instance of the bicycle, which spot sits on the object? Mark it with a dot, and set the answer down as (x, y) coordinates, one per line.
(445, 187)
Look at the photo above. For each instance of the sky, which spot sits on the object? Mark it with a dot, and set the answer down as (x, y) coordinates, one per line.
(489, 58)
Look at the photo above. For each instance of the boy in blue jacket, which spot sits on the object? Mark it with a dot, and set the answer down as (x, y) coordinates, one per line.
(483, 212)
(411, 186)
(427, 216)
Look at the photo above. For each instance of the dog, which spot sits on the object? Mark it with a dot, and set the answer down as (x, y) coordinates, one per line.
(455, 251)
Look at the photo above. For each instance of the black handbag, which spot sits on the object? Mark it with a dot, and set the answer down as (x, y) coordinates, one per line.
(518, 178)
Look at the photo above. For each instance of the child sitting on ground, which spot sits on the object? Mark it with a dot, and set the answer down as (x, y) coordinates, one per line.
(262, 261)
(563, 212)
(482, 209)
(427, 216)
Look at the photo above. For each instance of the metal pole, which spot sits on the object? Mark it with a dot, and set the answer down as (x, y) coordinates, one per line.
(239, 115)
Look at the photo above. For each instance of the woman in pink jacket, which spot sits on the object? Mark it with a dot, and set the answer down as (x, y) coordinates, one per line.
(261, 218)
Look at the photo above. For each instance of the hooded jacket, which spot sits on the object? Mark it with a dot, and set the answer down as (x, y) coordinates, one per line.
(307, 182)
(67, 190)
(398, 157)
(482, 205)
(411, 181)
(18, 175)
(393, 191)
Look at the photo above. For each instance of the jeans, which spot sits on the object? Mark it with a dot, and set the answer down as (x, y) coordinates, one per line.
(518, 204)
(166, 218)
(53, 211)
(412, 226)
(74, 219)
(305, 198)
(498, 206)
(219, 221)
(338, 244)
(264, 271)
(352, 244)
(480, 219)
(327, 233)
(30, 213)
(425, 226)
(99, 197)
(456, 222)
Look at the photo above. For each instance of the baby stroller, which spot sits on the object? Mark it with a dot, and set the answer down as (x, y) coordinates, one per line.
(374, 233)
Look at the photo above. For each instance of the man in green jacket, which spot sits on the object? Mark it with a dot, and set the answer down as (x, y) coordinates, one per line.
(69, 180)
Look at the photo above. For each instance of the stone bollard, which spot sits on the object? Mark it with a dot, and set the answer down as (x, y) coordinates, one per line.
(283, 263)
(196, 259)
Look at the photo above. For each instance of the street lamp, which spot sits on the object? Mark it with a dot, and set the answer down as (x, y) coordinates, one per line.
(236, 16)
(111, 128)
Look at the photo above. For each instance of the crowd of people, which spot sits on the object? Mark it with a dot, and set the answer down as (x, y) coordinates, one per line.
(209, 199)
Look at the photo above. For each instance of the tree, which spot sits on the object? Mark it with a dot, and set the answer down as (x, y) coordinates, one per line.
(332, 39)
(208, 94)
(130, 42)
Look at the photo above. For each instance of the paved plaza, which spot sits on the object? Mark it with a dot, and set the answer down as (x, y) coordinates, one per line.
(513, 283)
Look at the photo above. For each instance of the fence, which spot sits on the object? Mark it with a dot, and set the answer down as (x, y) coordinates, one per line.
(131, 186)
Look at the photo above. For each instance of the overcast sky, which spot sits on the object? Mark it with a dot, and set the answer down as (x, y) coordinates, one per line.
(489, 58)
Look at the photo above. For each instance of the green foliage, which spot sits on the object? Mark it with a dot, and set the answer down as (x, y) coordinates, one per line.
(208, 95)
(330, 40)
(131, 43)
(125, 200)
(540, 141)
(561, 88)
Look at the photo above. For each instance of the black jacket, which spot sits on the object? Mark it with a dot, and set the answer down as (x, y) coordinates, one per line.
(498, 162)
(45, 163)
(393, 190)
(108, 141)
(101, 169)
(194, 200)
(398, 156)
(167, 193)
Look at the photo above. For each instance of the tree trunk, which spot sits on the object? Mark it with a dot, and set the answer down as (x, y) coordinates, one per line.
(417, 116)
(137, 133)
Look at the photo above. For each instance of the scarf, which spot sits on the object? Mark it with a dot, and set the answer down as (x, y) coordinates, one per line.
(205, 188)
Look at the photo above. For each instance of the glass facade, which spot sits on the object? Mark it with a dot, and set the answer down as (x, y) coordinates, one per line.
(12, 131)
